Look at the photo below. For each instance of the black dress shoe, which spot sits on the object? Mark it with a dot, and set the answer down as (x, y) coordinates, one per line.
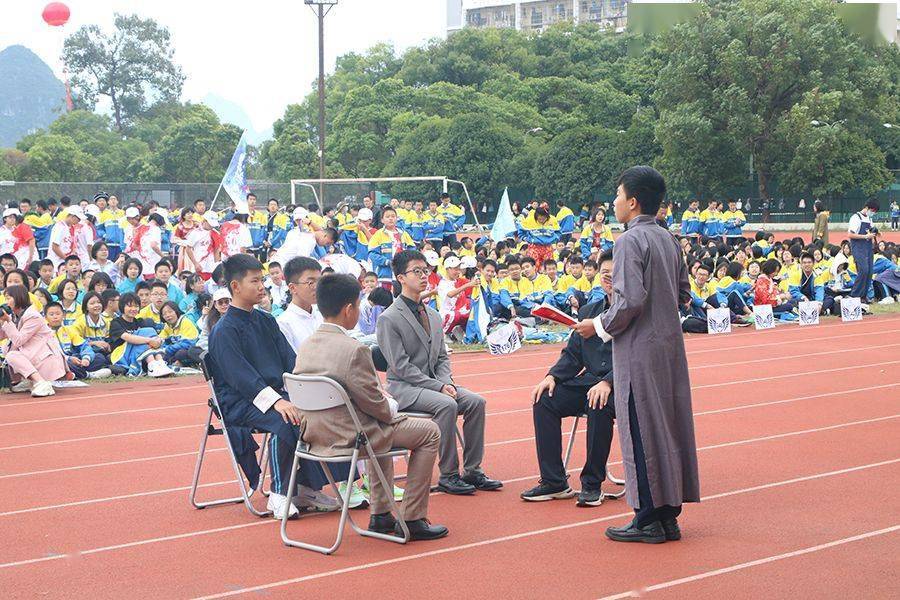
(482, 482)
(383, 523)
(421, 529)
(455, 485)
(649, 534)
(673, 531)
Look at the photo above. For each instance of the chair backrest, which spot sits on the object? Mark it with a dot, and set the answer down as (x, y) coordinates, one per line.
(206, 366)
(314, 392)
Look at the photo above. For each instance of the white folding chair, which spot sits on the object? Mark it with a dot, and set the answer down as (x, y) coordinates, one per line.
(314, 393)
(612, 478)
(222, 430)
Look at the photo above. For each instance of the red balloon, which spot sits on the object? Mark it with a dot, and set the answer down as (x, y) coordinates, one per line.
(56, 14)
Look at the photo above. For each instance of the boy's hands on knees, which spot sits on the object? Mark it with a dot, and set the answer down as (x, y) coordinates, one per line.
(547, 384)
(288, 412)
(449, 390)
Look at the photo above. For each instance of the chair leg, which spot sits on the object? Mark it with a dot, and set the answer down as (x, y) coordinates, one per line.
(343, 499)
(571, 444)
(617, 481)
(263, 465)
(388, 487)
(195, 483)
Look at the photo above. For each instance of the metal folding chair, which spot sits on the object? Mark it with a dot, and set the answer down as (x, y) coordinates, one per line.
(222, 430)
(612, 478)
(314, 393)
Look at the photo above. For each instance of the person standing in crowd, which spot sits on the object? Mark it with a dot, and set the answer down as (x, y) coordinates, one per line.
(820, 226)
(202, 247)
(653, 399)
(862, 235)
(566, 219)
(235, 235)
(17, 238)
(249, 355)
(62, 236)
(385, 244)
(419, 377)
(540, 231)
(691, 227)
(331, 352)
(146, 244)
(733, 220)
(895, 215)
(454, 218)
(581, 382)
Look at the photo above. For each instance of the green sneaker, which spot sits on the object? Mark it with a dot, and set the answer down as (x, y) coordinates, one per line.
(357, 498)
(398, 491)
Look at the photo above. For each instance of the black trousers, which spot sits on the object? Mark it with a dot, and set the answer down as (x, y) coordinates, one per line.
(647, 513)
(569, 401)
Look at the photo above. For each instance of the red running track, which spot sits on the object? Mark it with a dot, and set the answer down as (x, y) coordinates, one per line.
(799, 456)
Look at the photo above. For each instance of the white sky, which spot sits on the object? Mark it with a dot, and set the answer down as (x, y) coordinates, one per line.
(261, 55)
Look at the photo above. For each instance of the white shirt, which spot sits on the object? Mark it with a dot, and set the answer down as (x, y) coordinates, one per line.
(279, 292)
(62, 236)
(235, 239)
(145, 252)
(84, 239)
(296, 243)
(297, 325)
(446, 305)
(200, 242)
(857, 220)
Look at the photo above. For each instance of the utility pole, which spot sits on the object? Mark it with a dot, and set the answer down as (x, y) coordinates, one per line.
(321, 8)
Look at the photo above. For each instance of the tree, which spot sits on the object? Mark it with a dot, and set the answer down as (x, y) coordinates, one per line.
(733, 75)
(55, 157)
(578, 163)
(290, 154)
(196, 148)
(133, 66)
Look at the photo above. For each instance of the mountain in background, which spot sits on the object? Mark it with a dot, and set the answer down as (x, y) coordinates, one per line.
(31, 97)
(229, 112)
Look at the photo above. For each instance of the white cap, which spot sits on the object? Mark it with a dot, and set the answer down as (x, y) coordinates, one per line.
(432, 258)
(92, 210)
(468, 262)
(76, 211)
(132, 212)
(211, 217)
(11, 211)
(221, 293)
(451, 262)
(162, 212)
(365, 214)
(299, 214)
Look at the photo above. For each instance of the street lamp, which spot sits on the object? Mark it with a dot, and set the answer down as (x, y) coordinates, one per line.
(321, 8)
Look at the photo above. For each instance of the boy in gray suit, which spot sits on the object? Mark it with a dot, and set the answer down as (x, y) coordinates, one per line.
(412, 339)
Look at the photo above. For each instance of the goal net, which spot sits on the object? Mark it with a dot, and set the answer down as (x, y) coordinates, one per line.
(328, 193)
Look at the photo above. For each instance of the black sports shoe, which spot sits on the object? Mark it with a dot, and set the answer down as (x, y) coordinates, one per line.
(589, 498)
(482, 481)
(673, 531)
(455, 485)
(543, 492)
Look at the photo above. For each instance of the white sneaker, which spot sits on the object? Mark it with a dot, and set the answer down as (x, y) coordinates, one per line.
(887, 300)
(42, 389)
(99, 373)
(22, 386)
(278, 503)
(159, 368)
(314, 500)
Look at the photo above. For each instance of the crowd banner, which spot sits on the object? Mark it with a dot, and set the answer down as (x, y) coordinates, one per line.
(477, 325)
(505, 223)
(504, 340)
(235, 180)
(809, 313)
(851, 309)
(718, 320)
(763, 318)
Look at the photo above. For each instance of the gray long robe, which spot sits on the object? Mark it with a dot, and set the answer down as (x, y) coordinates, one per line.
(649, 282)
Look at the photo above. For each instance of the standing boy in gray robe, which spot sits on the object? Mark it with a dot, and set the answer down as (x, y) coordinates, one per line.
(653, 389)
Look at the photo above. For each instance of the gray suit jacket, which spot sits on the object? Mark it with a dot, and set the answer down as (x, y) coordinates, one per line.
(415, 360)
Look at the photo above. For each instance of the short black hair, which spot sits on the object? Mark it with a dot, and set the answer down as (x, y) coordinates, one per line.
(705, 267)
(142, 285)
(96, 248)
(334, 292)
(164, 262)
(873, 205)
(108, 295)
(88, 296)
(646, 185)
(576, 260)
(332, 233)
(53, 304)
(380, 297)
(100, 277)
(72, 257)
(605, 256)
(734, 270)
(402, 259)
(770, 266)
(299, 265)
(527, 259)
(808, 255)
(236, 267)
(10, 256)
(156, 283)
(490, 263)
(388, 209)
(128, 299)
(127, 265)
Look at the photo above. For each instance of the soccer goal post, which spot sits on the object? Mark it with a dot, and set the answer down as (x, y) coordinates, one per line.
(351, 189)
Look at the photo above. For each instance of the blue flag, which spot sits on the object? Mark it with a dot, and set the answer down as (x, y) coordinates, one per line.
(505, 223)
(235, 181)
(476, 328)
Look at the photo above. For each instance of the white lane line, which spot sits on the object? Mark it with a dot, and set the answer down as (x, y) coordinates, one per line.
(753, 563)
(789, 375)
(103, 437)
(105, 414)
(525, 534)
(161, 389)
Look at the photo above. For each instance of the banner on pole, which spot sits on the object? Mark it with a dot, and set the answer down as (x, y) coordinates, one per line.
(235, 180)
